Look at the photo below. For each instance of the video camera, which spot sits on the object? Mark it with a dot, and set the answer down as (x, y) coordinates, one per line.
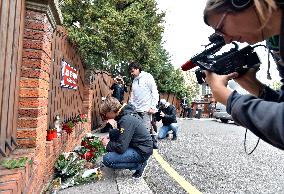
(157, 115)
(234, 60)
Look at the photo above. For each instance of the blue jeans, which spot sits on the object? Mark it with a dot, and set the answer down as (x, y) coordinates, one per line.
(165, 129)
(130, 159)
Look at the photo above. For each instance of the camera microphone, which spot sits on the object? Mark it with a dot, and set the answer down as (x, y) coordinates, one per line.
(188, 65)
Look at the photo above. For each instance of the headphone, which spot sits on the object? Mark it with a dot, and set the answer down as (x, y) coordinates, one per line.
(240, 4)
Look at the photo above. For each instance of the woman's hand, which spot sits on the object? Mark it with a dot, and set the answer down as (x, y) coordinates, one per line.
(249, 82)
(162, 114)
(105, 140)
(152, 111)
(218, 85)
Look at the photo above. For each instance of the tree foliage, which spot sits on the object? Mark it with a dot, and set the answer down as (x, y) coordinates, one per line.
(112, 33)
(192, 86)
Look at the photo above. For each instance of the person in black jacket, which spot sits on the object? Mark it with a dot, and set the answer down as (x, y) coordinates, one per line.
(130, 145)
(118, 88)
(184, 106)
(261, 111)
(167, 113)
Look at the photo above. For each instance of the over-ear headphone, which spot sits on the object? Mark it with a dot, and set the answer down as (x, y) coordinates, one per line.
(243, 4)
(240, 4)
(280, 3)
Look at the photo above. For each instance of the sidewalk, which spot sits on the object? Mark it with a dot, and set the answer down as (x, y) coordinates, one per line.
(112, 182)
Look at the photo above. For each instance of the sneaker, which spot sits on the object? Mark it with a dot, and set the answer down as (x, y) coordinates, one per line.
(139, 173)
(155, 143)
(154, 133)
(174, 137)
(168, 135)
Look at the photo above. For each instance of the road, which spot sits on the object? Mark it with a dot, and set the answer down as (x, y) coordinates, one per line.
(210, 155)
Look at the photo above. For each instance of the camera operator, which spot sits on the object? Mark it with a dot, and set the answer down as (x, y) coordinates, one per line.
(250, 21)
(167, 113)
(118, 88)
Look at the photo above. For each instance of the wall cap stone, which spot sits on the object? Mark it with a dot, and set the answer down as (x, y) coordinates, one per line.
(50, 7)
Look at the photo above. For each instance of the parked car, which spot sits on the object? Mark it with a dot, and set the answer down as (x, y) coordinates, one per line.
(220, 113)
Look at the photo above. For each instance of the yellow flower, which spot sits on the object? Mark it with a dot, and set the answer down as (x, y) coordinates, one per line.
(99, 174)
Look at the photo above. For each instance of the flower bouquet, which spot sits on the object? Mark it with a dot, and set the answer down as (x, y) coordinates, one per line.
(82, 118)
(70, 170)
(68, 127)
(94, 146)
(85, 153)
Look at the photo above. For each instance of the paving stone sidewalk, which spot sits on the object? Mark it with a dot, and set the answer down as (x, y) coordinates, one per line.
(113, 182)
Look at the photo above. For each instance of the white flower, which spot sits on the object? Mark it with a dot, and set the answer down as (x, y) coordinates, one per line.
(89, 135)
(78, 148)
(77, 24)
(89, 172)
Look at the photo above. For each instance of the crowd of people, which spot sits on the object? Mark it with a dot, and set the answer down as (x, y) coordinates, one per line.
(131, 144)
(134, 135)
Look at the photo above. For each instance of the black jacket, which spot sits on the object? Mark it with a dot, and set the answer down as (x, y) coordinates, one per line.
(264, 117)
(170, 115)
(131, 133)
(118, 91)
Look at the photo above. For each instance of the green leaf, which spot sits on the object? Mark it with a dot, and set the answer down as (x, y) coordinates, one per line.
(14, 163)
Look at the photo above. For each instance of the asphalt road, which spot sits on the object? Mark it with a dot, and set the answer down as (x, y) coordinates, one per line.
(210, 155)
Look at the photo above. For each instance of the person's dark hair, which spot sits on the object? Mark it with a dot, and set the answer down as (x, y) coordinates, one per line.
(134, 65)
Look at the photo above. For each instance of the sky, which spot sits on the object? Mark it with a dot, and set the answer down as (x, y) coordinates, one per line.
(185, 33)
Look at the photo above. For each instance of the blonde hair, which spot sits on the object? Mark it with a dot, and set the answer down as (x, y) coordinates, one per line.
(110, 104)
(263, 7)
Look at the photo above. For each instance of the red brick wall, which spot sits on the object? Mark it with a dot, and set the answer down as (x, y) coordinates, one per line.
(34, 82)
(33, 113)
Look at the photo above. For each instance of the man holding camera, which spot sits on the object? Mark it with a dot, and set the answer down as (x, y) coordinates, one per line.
(118, 88)
(167, 113)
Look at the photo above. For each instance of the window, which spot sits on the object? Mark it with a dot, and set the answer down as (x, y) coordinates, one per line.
(207, 90)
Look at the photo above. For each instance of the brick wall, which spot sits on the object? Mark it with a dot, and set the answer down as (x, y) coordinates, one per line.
(41, 18)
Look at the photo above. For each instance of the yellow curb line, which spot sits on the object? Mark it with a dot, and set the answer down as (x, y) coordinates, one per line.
(181, 181)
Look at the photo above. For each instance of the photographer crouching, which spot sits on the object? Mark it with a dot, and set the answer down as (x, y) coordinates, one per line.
(251, 21)
(167, 113)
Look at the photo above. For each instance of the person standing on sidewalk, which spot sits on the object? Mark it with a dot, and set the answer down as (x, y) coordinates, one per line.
(118, 88)
(167, 113)
(144, 95)
(130, 145)
(211, 109)
(184, 107)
